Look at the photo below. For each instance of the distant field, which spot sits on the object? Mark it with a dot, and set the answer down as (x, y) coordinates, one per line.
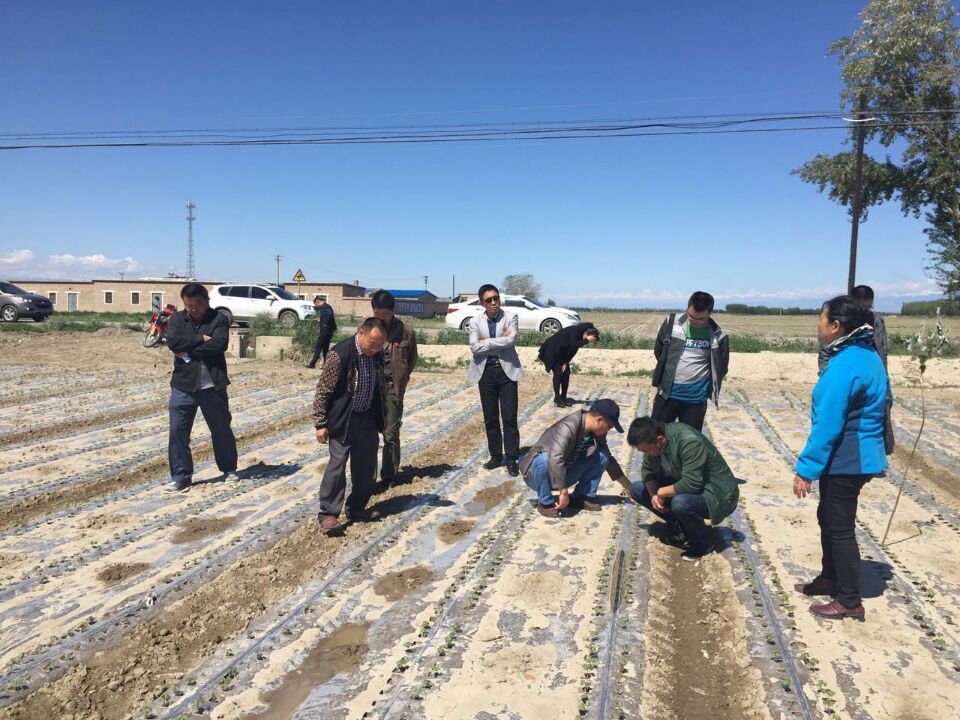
(766, 326)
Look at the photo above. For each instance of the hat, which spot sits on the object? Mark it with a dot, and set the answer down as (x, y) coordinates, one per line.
(608, 409)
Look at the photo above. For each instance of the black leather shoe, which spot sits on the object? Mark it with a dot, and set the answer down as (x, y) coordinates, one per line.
(363, 516)
(817, 586)
(513, 468)
(493, 463)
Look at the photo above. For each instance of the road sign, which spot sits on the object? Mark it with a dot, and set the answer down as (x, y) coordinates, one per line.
(299, 277)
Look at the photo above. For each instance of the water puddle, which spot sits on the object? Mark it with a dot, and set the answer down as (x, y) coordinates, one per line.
(490, 497)
(341, 651)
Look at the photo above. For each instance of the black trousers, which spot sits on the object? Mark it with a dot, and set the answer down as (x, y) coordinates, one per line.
(215, 407)
(669, 410)
(561, 381)
(837, 515)
(499, 397)
(358, 447)
(322, 347)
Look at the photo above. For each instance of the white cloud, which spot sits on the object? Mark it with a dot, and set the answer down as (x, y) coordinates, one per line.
(16, 257)
(98, 262)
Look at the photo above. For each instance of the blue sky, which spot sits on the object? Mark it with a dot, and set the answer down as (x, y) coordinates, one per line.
(629, 222)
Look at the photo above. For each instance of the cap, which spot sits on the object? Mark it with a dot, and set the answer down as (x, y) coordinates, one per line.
(608, 409)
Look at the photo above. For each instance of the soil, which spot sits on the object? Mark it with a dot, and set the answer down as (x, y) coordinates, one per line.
(454, 531)
(399, 584)
(116, 574)
(196, 528)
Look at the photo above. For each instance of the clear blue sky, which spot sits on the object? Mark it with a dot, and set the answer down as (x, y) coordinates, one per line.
(622, 222)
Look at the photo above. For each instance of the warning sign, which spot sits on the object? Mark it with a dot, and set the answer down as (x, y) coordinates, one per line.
(299, 277)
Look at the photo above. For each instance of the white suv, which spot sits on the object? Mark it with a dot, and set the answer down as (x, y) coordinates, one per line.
(531, 314)
(241, 303)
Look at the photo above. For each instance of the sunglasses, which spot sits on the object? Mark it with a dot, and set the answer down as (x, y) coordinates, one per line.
(492, 300)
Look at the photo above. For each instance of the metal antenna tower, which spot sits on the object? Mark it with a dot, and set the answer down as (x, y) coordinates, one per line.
(190, 218)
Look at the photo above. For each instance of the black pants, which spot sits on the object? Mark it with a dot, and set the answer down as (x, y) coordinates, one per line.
(498, 396)
(359, 447)
(216, 411)
(322, 347)
(669, 410)
(561, 381)
(837, 515)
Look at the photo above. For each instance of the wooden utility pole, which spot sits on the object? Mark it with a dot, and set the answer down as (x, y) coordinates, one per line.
(857, 195)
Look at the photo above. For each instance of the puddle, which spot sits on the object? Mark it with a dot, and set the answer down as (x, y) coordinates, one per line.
(200, 528)
(491, 497)
(342, 651)
(397, 585)
(114, 574)
(454, 531)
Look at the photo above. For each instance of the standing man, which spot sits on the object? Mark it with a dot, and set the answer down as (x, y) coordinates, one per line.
(198, 337)
(863, 294)
(328, 326)
(399, 360)
(693, 354)
(348, 414)
(496, 370)
(684, 480)
(574, 451)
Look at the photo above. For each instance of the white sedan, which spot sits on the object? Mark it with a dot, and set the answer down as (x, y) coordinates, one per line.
(532, 314)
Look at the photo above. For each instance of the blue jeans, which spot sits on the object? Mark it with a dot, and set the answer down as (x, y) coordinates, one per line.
(585, 474)
(687, 511)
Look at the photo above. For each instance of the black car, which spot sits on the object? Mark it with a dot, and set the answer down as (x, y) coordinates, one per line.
(16, 303)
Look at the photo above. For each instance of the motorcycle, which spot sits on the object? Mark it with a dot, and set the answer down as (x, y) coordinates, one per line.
(155, 329)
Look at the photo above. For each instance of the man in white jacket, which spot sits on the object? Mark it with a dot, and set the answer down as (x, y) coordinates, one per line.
(496, 370)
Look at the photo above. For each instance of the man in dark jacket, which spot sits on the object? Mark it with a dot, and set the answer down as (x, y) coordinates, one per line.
(399, 361)
(693, 354)
(574, 451)
(684, 480)
(558, 350)
(327, 327)
(348, 414)
(198, 337)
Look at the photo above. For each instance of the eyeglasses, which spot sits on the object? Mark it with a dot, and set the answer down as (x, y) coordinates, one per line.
(491, 300)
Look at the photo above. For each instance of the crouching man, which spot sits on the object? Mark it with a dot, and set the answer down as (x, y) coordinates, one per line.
(573, 452)
(684, 481)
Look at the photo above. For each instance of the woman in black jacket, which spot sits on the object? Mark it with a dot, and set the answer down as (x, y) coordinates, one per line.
(558, 350)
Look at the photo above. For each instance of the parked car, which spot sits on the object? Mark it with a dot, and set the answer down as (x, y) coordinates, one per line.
(241, 303)
(15, 303)
(532, 314)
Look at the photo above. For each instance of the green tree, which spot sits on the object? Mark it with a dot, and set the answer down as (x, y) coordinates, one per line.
(904, 60)
(522, 284)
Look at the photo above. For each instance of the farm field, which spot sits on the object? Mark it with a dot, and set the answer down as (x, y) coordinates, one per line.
(117, 601)
(802, 327)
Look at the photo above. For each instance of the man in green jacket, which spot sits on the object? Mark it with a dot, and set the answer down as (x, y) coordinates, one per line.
(684, 480)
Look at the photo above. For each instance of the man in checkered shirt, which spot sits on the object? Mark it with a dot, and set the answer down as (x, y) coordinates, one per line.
(348, 414)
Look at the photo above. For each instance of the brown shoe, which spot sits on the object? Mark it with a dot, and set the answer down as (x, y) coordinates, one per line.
(330, 525)
(581, 502)
(817, 586)
(548, 511)
(591, 505)
(837, 611)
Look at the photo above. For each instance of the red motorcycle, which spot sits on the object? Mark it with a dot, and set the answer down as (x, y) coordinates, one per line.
(156, 328)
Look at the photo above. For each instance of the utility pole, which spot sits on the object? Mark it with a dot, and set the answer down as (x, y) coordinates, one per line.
(278, 259)
(121, 276)
(453, 289)
(425, 279)
(857, 194)
(191, 270)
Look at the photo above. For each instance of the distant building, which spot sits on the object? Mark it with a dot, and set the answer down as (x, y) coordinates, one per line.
(416, 303)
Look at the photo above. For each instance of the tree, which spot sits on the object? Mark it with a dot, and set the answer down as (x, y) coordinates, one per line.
(904, 61)
(551, 302)
(521, 285)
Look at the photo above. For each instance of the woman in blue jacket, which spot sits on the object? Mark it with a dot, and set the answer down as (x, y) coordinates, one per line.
(845, 449)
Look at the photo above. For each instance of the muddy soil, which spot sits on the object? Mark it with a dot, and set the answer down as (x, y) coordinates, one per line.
(491, 497)
(397, 585)
(116, 574)
(199, 528)
(454, 531)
